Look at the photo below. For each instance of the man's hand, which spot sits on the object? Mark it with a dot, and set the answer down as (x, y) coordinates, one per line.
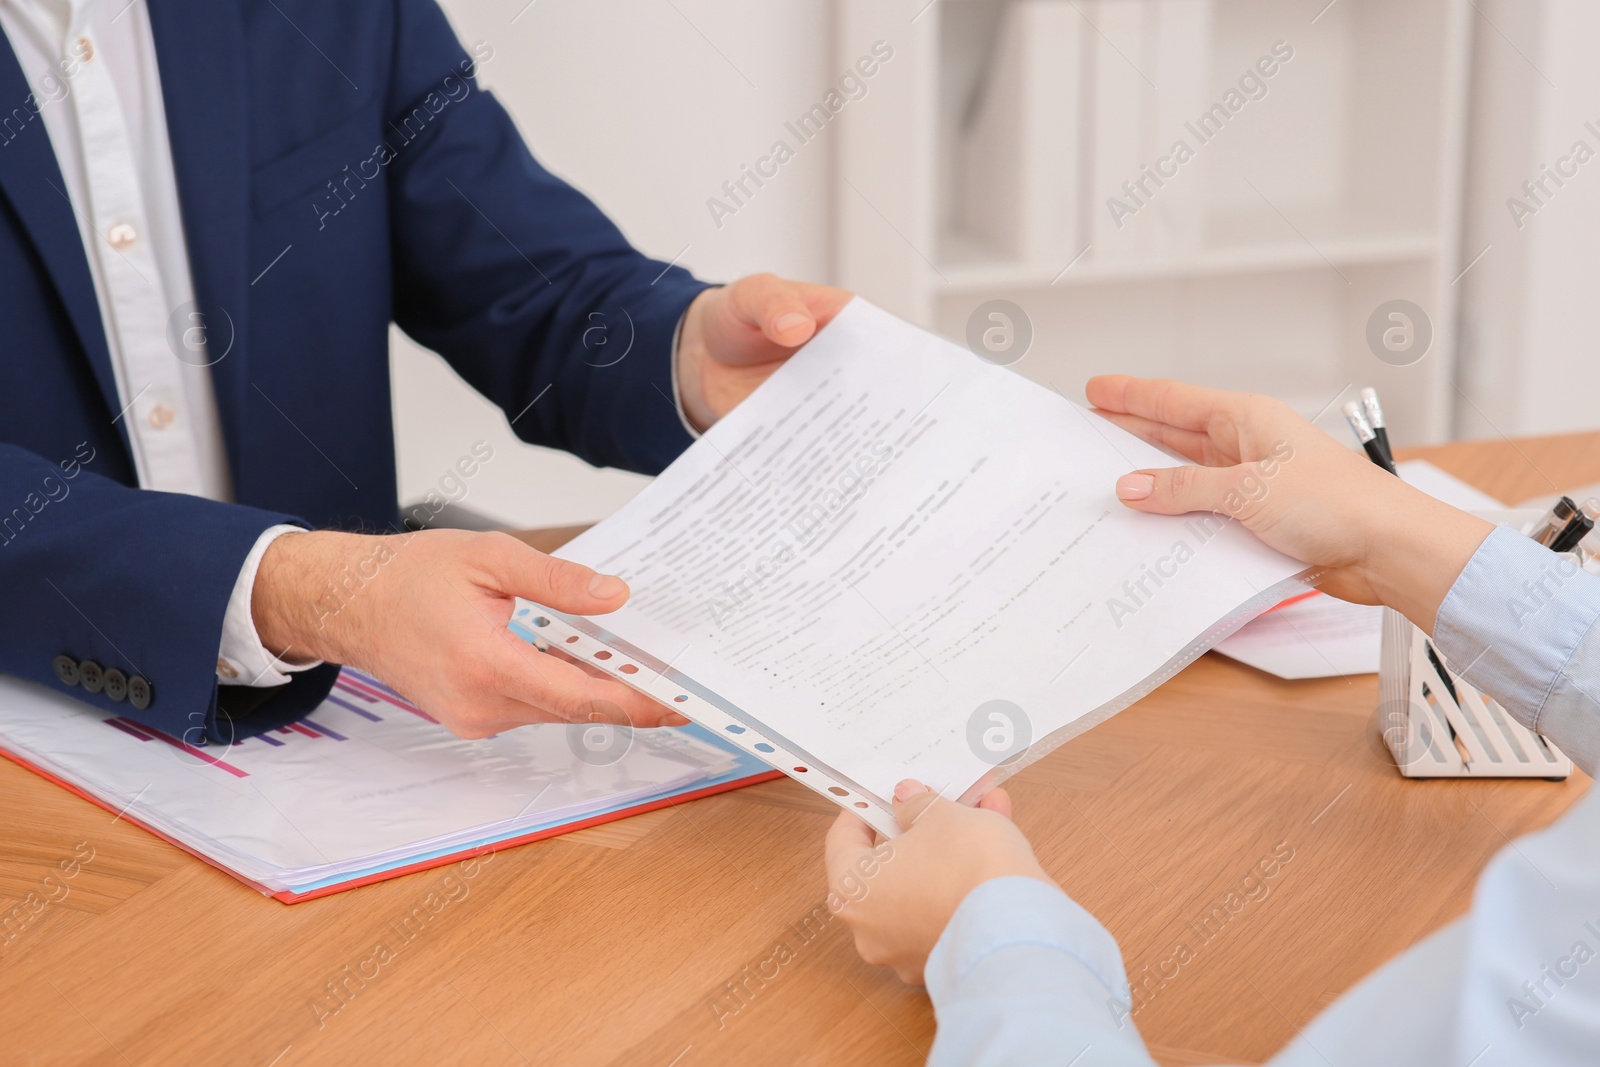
(1378, 540)
(898, 897)
(734, 337)
(427, 613)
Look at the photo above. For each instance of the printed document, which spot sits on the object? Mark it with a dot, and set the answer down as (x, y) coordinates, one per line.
(896, 559)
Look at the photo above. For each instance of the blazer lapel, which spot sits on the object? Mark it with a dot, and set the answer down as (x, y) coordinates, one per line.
(31, 180)
(200, 49)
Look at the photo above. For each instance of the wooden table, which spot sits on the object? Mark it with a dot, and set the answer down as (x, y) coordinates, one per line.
(618, 944)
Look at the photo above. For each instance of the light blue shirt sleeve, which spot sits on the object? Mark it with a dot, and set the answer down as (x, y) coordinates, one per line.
(1519, 624)
(1023, 975)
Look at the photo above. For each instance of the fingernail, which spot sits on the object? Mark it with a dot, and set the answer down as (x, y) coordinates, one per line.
(908, 789)
(675, 720)
(1135, 486)
(607, 586)
(791, 320)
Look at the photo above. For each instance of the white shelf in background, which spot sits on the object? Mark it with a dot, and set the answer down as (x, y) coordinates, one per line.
(1328, 184)
(970, 267)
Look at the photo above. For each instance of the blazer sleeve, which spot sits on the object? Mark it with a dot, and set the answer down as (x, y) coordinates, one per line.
(97, 573)
(516, 278)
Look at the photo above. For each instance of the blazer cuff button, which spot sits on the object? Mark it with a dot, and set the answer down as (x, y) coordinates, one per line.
(66, 670)
(90, 676)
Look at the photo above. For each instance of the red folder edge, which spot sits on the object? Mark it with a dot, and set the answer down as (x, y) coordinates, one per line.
(290, 897)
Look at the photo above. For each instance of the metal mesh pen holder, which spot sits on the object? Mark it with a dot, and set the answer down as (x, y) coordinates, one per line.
(1437, 726)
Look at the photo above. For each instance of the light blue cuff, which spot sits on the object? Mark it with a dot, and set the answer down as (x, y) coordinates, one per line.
(1519, 624)
(1010, 912)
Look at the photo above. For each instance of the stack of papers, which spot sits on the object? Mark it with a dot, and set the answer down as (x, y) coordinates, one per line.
(1312, 636)
(365, 787)
(896, 559)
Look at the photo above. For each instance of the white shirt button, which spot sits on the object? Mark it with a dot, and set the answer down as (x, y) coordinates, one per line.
(122, 235)
(86, 49)
(161, 416)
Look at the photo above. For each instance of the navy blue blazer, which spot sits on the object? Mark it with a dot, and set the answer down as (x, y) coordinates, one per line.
(323, 196)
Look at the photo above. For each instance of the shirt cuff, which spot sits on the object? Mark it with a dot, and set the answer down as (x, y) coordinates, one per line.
(677, 394)
(1519, 624)
(1017, 911)
(242, 659)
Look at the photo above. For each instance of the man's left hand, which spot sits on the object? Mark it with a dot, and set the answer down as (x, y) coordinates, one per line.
(735, 336)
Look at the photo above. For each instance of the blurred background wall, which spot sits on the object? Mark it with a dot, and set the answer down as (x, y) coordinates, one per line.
(998, 150)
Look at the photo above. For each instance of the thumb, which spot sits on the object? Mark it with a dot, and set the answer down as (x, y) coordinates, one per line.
(1175, 490)
(911, 800)
(557, 583)
(847, 836)
(775, 306)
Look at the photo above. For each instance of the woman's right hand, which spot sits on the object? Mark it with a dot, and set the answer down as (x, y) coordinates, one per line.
(1374, 539)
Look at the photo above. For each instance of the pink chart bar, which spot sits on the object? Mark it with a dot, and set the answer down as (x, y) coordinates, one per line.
(146, 733)
(354, 685)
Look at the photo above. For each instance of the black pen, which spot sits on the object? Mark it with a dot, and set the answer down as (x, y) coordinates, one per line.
(1554, 522)
(1374, 412)
(1588, 545)
(1576, 530)
(1444, 675)
(1357, 418)
(1367, 436)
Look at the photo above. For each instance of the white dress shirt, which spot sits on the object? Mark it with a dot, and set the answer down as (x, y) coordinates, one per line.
(1023, 975)
(91, 65)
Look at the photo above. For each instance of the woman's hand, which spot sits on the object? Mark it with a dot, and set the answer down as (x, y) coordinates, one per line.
(898, 896)
(1377, 540)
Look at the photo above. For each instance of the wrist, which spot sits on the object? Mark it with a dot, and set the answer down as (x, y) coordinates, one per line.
(1015, 868)
(1417, 548)
(689, 369)
(296, 600)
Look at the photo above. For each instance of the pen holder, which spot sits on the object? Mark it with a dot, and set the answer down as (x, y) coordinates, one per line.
(1434, 734)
